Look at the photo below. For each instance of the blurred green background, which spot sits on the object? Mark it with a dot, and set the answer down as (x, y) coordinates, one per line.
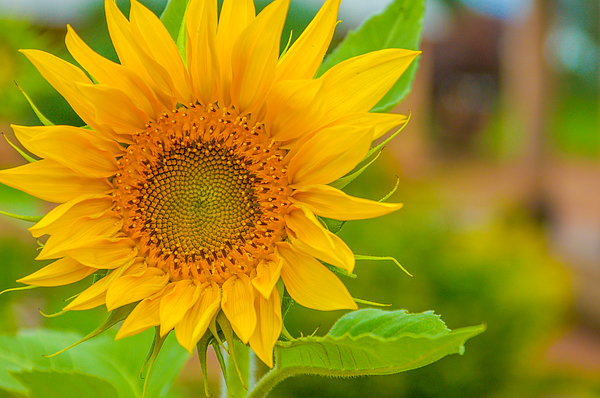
(499, 172)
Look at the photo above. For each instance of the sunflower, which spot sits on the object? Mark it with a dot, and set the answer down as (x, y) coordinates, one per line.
(199, 179)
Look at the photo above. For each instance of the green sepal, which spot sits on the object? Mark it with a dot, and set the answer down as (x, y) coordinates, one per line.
(340, 271)
(173, 17)
(398, 26)
(157, 344)
(367, 302)
(331, 224)
(45, 121)
(202, 348)
(101, 273)
(227, 330)
(387, 140)
(382, 258)
(341, 183)
(114, 317)
(16, 289)
(22, 218)
(21, 152)
(389, 194)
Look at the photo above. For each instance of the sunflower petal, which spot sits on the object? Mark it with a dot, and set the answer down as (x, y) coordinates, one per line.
(254, 58)
(58, 273)
(382, 123)
(89, 206)
(314, 240)
(76, 149)
(51, 181)
(329, 154)
(113, 108)
(238, 306)
(235, 16)
(193, 326)
(113, 74)
(147, 28)
(330, 202)
(145, 315)
(131, 288)
(104, 253)
(267, 275)
(203, 62)
(176, 304)
(303, 58)
(310, 283)
(268, 326)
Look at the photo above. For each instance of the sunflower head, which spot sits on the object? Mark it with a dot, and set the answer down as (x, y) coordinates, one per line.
(198, 182)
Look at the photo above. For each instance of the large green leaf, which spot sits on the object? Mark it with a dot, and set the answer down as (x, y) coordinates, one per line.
(399, 26)
(61, 384)
(374, 342)
(118, 363)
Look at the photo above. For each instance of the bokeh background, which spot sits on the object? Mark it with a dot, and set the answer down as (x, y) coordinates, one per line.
(499, 170)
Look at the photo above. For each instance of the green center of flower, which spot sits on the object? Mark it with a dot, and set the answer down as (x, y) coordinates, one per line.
(199, 199)
(203, 194)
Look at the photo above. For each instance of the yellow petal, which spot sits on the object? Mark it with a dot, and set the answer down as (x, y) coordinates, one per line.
(60, 272)
(294, 108)
(194, 324)
(147, 28)
(304, 57)
(27, 133)
(202, 58)
(131, 288)
(89, 206)
(314, 240)
(238, 306)
(268, 326)
(254, 58)
(329, 154)
(357, 84)
(104, 253)
(51, 181)
(267, 275)
(310, 283)
(145, 315)
(115, 75)
(63, 76)
(176, 304)
(235, 16)
(135, 58)
(113, 108)
(382, 123)
(76, 149)
(95, 295)
(78, 234)
(330, 202)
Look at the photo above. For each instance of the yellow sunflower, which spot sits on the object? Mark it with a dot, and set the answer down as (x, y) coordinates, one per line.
(198, 181)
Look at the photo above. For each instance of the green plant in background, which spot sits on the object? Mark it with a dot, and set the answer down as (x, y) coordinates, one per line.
(275, 136)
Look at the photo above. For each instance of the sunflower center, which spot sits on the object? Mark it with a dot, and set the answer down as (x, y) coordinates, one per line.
(203, 194)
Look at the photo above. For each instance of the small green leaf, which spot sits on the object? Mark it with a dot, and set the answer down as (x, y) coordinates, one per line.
(374, 342)
(46, 383)
(173, 17)
(45, 121)
(399, 26)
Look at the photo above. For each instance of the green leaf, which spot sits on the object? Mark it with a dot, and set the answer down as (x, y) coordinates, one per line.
(368, 342)
(399, 26)
(117, 362)
(61, 384)
(173, 17)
